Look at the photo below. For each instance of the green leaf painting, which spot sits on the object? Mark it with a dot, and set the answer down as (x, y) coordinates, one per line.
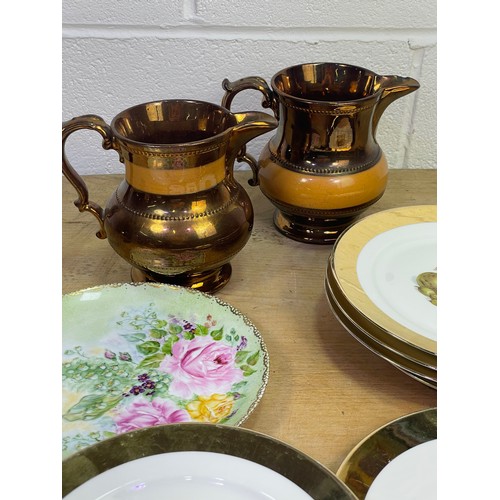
(151, 370)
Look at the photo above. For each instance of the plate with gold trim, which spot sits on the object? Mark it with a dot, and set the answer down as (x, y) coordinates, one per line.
(197, 460)
(378, 334)
(374, 453)
(138, 355)
(420, 372)
(386, 266)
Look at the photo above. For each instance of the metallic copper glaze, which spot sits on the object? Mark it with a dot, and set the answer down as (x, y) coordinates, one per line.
(323, 167)
(178, 216)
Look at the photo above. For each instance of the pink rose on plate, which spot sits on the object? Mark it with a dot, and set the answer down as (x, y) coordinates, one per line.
(143, 412)
(201, 366)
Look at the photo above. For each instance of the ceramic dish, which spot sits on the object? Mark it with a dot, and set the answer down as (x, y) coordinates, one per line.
(374, 345)
(411, 475)
(184, 475)
(373, 454)
(140, 355)
(421, 373)
(386, 266)
(196, 460)
(378, 334)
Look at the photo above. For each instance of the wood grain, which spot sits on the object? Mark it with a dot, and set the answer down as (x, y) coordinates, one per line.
(326, 391)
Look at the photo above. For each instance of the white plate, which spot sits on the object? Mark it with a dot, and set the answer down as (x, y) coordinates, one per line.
(410, 476)
(234, 456)
(387, 268)
(392, 260)
(385, 445)
(188, 475)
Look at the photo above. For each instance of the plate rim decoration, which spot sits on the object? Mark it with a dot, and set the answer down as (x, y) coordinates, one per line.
(367, 459)
(344, 258)
(373, 330)
(414, 470)
(306, 472)
(166, 405)
(422, 374)
(178, 473)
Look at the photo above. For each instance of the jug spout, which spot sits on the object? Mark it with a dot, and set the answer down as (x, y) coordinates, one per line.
(249, 125)
(393, 87)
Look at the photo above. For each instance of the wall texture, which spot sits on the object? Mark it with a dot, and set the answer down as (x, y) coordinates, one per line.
(119, 53)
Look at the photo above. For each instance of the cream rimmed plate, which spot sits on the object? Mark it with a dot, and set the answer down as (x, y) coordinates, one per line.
(388, 267)
(144, 354)
(378, 261)
(368, 459)
(196, 460)
(422, 373)
(371, 329)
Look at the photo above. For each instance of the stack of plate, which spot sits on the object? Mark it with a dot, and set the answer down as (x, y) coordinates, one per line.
(381, 283)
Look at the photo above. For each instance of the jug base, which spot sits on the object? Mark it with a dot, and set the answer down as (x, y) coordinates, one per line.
(315, 230)
(207, 281)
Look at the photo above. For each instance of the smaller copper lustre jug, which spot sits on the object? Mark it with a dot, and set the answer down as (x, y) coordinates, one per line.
(178, 216)
(323, 167)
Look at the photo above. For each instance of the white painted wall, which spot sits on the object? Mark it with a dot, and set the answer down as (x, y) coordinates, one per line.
(119, 53)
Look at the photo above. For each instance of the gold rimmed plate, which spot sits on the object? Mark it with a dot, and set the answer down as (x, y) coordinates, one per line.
(386, 266)
(365, 463)
(373, 330)
(143, 354)
(196, 460)
(423, 374)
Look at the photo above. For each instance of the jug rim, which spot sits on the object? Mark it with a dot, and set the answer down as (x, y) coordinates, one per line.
(353, 102)
(176, 145)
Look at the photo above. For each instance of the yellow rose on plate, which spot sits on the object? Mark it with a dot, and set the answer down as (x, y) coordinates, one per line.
(211, 408)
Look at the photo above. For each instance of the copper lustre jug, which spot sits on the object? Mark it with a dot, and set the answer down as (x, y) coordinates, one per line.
(323, 167)
(178, 216)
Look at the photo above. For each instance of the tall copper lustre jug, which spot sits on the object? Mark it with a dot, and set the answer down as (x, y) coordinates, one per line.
(323, 167)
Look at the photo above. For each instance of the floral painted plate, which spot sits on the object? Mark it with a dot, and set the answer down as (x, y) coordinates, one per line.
(143, 354)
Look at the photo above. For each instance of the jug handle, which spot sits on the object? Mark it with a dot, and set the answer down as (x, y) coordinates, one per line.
(268, 101)
(92, 122)
(393, 87)
(249, 124)
(250, 82)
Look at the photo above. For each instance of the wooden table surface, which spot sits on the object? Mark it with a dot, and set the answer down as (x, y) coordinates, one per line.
(326, 392)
